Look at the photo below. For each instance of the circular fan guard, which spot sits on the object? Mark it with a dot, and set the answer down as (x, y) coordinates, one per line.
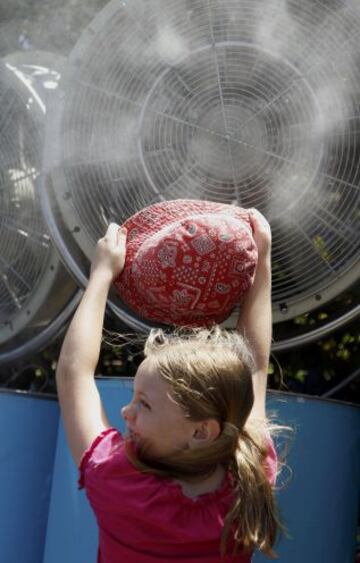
(252, 103)
(36, 295)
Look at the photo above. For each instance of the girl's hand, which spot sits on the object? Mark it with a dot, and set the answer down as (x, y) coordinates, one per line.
(109, 259)
(261, 231)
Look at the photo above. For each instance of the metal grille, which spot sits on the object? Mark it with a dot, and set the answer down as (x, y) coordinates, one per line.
(24, 245)
(29, 266)
(249, 102)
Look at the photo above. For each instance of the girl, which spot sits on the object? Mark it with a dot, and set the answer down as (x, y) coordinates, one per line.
(193, 480)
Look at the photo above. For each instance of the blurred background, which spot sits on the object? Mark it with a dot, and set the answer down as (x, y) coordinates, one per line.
(56, 156)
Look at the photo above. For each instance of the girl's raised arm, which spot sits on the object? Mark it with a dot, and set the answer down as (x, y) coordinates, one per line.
(82, 410)
(255, 320)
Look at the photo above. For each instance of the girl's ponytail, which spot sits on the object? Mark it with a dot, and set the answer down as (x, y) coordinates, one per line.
(252, 521)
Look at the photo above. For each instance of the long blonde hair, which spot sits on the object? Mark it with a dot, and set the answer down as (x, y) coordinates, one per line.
(210, 376)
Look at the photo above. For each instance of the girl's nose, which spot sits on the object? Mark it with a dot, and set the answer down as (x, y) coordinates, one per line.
(128, 412)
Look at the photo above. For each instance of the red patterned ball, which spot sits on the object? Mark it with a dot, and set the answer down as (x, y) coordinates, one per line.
(188, 262)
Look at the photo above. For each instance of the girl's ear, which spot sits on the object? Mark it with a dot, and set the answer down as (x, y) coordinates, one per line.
(205, 431)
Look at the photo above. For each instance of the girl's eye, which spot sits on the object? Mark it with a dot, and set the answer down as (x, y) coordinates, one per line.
(144, 404)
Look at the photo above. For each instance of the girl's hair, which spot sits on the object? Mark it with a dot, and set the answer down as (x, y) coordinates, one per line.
(210, 376)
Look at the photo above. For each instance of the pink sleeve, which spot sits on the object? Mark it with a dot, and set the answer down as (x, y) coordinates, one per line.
(99, 452)
(271, 461)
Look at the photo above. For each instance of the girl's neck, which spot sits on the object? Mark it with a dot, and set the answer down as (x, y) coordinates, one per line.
(201, 486)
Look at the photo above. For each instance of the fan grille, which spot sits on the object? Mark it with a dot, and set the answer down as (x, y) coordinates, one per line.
(24, 246)
(252, 103)
(36, 294)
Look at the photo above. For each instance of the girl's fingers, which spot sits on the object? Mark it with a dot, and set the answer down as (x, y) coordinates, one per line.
(115, 234)
(122, 231)
(112, 231)
(254, 218)
(121, 235)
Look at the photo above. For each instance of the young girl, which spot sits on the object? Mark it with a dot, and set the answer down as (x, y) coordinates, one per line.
(193, 480)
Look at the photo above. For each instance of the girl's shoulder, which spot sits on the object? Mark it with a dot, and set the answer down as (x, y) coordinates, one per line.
(106, 465)
(102, 453)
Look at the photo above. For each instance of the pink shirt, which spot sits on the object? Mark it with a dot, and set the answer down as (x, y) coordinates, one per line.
(146, 519)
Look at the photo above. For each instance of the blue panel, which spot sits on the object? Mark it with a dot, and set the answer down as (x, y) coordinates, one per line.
(319, 506)
(28, 433)
(72, 532)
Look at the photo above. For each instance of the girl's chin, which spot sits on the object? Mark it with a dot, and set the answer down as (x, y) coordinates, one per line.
(142, 447)
(134, 438)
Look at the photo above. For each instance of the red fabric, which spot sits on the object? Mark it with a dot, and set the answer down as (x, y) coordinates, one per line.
(187, 262)
(146, 519)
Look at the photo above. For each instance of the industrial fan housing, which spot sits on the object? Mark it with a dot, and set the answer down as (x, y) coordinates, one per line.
(250, 103)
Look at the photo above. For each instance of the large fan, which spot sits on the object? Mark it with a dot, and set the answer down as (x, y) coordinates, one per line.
(253, 102)
(36, 294)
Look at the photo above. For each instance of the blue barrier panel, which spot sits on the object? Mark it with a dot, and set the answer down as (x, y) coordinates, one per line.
(72, 532)
(28, 435)
(319, 506)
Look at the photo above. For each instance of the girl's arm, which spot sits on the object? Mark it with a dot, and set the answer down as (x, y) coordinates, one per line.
(83, 414)
(255, 320)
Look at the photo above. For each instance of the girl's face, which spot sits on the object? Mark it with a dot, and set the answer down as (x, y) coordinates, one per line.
(154, 421)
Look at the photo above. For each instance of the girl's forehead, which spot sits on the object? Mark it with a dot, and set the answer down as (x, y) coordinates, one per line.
(148, 376)
(149, 381)
(147, 369)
